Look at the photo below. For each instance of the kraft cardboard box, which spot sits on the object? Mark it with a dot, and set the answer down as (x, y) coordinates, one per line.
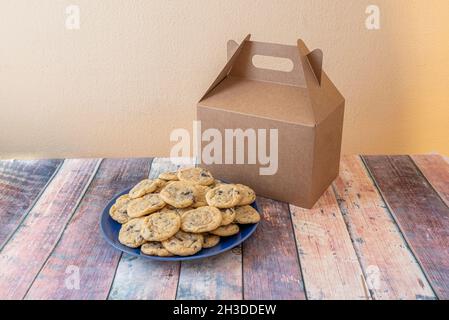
(302, 104)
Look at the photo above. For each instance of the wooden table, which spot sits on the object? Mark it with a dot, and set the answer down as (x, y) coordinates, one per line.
(381, 231)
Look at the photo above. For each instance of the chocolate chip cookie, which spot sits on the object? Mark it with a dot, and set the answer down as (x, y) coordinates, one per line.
(224, 196)
(246, 214)
(129, 234)
(169, 176)
(184, 243)
(160, 226)
(200, 198)
(196, 175)
(248, 195)
(118, 210)
(155, 249)
(210, 240)
(179, 194)
(200, 220)
(142, 188)
(226, 231)
(145, 205)
(228, 216)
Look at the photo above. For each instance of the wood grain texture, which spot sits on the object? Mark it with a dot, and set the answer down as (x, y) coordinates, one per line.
(139, 278)
(21, 183)
(390, 269)
(217, 277)
(419, 212)
(82, 250)
(142, 279)
(26, 252)
(329, 263)
(436, 170)
(270, 260)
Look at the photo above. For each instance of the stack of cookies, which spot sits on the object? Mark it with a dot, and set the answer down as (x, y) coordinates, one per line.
(179, 213)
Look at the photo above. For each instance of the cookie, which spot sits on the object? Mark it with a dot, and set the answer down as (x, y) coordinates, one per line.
(184, 244)
(178, 211)
(155, 249)
(142, 188)
(200, 197)
(179, 194)
(129, 234)
(145, 205)
(160, 226)
(169, 176)
(123, 199)
(160, 185)
(226, 231)
(210, 240)
(196, 175)
(224, 196)
(248, 195)
(118, 210)
(227, 215)
(202, 219)
(246, 214)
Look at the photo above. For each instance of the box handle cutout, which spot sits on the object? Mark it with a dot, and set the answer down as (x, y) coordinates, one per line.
(272, 63)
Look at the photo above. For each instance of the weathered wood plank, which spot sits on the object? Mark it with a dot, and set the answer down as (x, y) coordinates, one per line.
(21, 183)
(390, 269)
(25, 253)
(81, 249)
(436, 171)
(329, 263)
(139, 278)
(270, 260)
(218, 277)
(419, 212)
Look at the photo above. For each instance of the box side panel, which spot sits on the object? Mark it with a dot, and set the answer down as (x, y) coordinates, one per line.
(293, 179)
(327, 153)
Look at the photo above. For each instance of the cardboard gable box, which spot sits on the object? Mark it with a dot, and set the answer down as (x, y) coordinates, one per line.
(303, 105)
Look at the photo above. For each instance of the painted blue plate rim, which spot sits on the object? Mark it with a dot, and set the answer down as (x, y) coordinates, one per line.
(109, 229)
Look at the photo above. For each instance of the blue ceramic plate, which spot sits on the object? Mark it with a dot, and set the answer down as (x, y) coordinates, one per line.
(110, 229)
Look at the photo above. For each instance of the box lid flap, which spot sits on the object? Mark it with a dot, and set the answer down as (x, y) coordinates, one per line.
(262, 99)
(303, 95)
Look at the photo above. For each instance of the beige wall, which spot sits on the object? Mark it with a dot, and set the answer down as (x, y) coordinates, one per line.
(135, 70)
